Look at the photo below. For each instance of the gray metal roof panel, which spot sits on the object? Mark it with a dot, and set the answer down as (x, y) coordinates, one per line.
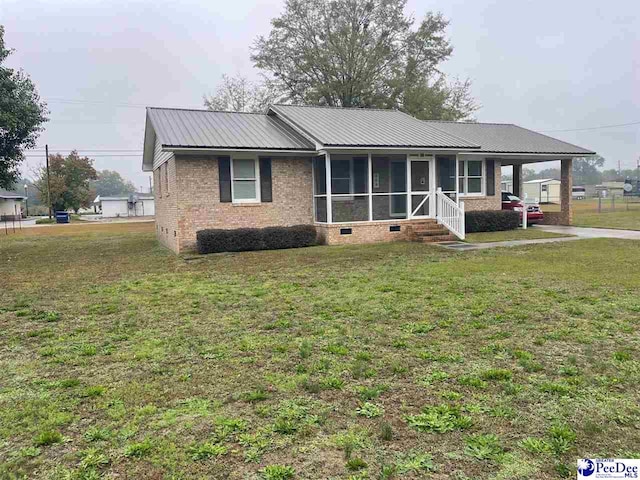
(351, 127)
(508, 138)
(10, 195)
(210, 129)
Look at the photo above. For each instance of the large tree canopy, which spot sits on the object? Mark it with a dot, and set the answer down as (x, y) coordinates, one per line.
(362, 53)
(22, 114)
(70, 180)
(111, 183)
(239, 94)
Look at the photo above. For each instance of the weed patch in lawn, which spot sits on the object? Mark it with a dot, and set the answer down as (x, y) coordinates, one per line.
(439, 419)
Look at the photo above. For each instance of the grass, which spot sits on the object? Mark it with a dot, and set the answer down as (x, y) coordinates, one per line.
(621, 214)
(519, 234)
(403, 360)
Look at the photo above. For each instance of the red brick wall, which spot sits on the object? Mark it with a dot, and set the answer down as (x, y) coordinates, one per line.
(166, 204)
(199, 206)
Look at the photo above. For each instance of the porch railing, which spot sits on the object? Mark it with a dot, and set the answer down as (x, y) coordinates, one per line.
(450, 214)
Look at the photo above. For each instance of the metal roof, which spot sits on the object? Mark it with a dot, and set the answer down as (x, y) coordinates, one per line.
(10, 195)
(355, 127)
(508, 138)
(542, 180)
(210, 129)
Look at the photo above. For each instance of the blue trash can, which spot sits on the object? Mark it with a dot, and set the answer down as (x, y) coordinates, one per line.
(62, 217)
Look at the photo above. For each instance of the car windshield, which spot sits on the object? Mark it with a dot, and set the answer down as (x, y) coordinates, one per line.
(510, 197)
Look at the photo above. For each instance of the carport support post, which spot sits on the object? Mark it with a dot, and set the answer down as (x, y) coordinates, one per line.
(566, 187)
(517, 180)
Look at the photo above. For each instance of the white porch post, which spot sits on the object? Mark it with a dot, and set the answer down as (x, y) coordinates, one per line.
(408, 170)
(432, 187)
(369, 188)
(327, 167)
(457, 180)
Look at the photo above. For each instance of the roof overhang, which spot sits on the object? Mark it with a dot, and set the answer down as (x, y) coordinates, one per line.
(12, 197)
(523, 158)
(149, 145)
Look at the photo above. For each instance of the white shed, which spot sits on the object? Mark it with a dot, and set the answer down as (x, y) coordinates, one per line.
(545, 190)
(135, 205)
(10, 205)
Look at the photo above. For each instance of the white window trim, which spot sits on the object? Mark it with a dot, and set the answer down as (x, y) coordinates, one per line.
(465, 178)
(257, 199)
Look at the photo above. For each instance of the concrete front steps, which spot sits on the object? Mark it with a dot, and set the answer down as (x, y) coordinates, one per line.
(428, 231)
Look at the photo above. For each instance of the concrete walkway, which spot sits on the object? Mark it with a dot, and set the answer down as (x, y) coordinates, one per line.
(586, 232)
(580, 233)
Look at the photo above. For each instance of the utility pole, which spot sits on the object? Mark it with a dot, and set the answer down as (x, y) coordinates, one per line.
(46, 150)
(150, 187)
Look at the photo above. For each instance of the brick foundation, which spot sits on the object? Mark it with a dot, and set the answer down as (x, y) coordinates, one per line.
(370, 232)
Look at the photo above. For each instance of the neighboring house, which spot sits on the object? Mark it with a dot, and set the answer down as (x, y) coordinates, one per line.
(610, 189)
(134, 205)
(506, 185)
(359, 175)
(10, 205)
(544, 190)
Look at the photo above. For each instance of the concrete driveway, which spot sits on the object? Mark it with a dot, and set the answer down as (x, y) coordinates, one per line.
(586, 232)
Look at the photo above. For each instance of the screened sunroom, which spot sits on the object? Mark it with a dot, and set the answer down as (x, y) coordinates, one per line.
(368, 187)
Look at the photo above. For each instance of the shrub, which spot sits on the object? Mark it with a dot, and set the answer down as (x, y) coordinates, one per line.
(491, 221)
(246, 239)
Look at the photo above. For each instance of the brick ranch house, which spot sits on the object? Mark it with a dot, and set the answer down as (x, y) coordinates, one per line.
(359, 175)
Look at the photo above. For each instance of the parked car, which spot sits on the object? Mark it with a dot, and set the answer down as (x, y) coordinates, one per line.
(511, 202)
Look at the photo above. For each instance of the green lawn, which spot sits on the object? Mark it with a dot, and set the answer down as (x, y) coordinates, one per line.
(621, 213)
(519, 234)
(626, 220)
(407, 361)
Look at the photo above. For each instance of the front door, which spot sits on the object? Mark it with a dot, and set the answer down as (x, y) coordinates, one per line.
(421, 176)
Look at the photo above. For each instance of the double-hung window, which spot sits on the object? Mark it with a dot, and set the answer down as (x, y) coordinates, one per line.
(245, 173)
(471, 177)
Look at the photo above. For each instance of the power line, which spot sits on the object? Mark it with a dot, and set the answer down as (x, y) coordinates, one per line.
(99, 150)
(593, 128)
(99, 102)
(93, 156)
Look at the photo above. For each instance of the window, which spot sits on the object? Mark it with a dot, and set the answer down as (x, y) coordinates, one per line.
(471, 177)
(244, 180)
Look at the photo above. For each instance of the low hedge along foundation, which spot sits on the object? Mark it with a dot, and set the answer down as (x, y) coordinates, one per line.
(245, 239)
(491, 220)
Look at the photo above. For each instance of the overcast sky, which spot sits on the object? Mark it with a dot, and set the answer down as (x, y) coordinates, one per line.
(547, 65)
